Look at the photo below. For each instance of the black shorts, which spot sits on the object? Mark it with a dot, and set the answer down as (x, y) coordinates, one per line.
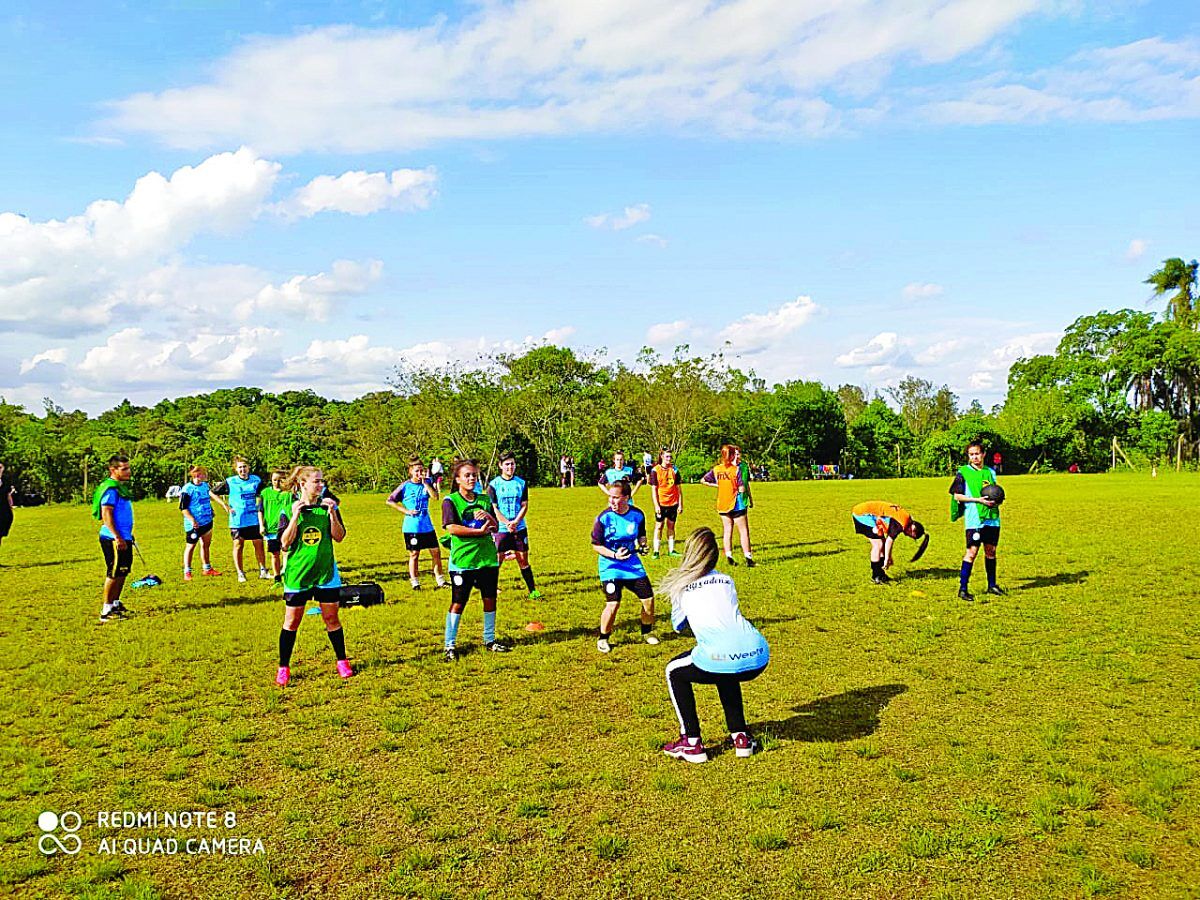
(667, 514)
(117, 563)
(273, 544)
(735, 513)
(640, 587)
(865, 530)
(421, 540)
(485, 580)
(985, 534)
(193, 536)
(6, 520)
(247, 533)
(516, 541)
(321, 595)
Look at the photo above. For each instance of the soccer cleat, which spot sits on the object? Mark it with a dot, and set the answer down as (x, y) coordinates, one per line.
(497, 647)
(119, 610)
(210, 572)
(241, 577)
(278, 579)
(283, 676)
(881, 578)
(684, 748)
(673, 553)
(264, 575)
(187, 576)
(750, 564)
(441, 585)
(603, 646)
(996, 590)
(650, 639)
(535, 595)
(655, 555)
(743, 744)
(107, 617)
(415, 585)
(966, 595)
(343, 668)
(450, 654)
(731, 561)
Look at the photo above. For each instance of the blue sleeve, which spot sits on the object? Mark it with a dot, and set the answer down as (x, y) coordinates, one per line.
(110, 497)
(598, 531)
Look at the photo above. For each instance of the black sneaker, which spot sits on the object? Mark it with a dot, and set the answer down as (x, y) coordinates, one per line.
(750, 562)
(119, 610)
(966, 595)
(415, 587)
(109, 616)
(996, 590)
(731, 560)
(497, 647)
(881, 578)
(450, 654)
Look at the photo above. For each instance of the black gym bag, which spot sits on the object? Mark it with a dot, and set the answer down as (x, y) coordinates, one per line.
(366, 594)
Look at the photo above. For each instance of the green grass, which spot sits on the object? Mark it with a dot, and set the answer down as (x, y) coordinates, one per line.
(1041, 744)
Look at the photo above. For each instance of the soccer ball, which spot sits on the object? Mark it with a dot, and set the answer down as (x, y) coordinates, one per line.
(993, 492)
(484, 520)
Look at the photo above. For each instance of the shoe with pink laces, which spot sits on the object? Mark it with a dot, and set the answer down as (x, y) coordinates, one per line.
(283, 676)
(343, 667)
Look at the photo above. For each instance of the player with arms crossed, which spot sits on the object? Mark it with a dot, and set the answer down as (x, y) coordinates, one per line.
(469, 520)
(618, 537)
(980, 515)
(668, 501)
(510, 497)
(307, 533)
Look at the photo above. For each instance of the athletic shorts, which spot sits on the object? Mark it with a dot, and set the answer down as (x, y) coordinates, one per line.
(640, 587)
(421, 540)
(248, 533)
(193, 536)
(734, 513)
(667, 513)
(301, 598)
(516, 541)
(5, 522)
(461, 583)
(865, 530)
(274, 545)
(987, 534)
(117, 563)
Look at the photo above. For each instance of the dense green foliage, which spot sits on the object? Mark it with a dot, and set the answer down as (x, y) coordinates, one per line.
(1130, 377)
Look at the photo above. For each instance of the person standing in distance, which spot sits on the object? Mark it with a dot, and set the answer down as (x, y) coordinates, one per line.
(8, 492)
(510, 497)
(245, 516)
(307, 533)
(111, 504)
(619, 471)
(411, 499)
(980, 516)
(734, 501)
(275, 503)
(619, 537)
(195, 502)
(668, 501)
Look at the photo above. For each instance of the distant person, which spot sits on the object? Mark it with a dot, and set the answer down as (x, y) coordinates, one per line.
(619, 470)
(1073, 468)
(998, 463)
(245, 516)
(468, 518)
(734, 501)
(112, 505)
(729, 650)
(436, 473)
(510, 497)
(647, 462)
(307, 533)
(980, 516)
(563, 470)
(881, 523)
(195, 503)
(276, 501)
(668, 501)
(8, 492)
(619, 538)
(411, 499)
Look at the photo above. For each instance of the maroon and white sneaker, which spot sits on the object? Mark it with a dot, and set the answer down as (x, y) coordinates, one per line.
(686, 748)
(743, 744)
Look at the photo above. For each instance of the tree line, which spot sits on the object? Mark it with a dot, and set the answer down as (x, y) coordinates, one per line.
(1129, 376)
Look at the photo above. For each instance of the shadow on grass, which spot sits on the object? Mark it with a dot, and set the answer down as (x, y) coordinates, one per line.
(772, 545)
(51, 562)
(1044, 581)
(842, 717)
(802, 554)
(935, 572)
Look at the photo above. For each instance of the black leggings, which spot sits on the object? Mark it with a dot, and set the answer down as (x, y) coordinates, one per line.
(682, 674)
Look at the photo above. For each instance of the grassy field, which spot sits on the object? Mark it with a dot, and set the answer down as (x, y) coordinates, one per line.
(1046, 744)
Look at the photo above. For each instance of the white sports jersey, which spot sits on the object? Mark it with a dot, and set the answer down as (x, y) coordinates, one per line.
(725, 641)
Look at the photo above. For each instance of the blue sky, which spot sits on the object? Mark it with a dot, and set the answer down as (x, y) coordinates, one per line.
(200, 194)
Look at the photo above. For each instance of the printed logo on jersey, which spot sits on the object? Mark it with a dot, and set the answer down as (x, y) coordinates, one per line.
(311, 536)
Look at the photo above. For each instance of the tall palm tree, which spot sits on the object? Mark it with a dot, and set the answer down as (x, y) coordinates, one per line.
(1178, 279)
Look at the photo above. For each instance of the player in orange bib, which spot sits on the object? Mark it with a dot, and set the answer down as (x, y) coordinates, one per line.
(881, 523)
(665, 488)
(731, 478)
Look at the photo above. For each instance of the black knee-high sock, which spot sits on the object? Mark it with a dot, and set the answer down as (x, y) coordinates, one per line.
(989, 565)
(876, 567)
(338, 639)
(527, 574)
(287, 642)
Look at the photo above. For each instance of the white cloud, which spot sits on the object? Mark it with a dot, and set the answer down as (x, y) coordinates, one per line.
(136, 357)
(311, 297)
(1144, 81)
(655, 239)
(938, 351)
(536, 67)
(879, 349)
(922, 291)
(362, 193)
(665, 332)
(981, 381)
(758, 332)
(56, 356)
(1018, 347)
(627, 218)
(1136, 249)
